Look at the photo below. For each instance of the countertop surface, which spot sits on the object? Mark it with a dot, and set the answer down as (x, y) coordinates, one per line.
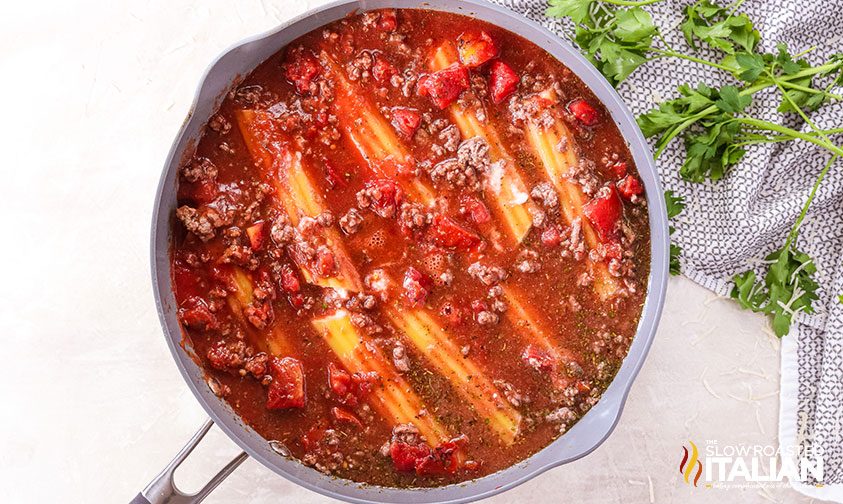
(93, 404)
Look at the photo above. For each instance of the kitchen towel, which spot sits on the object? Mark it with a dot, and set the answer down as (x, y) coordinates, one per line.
(730, 225)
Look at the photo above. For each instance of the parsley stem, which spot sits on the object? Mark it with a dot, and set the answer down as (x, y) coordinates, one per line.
(630, 3)
(810, 90)
(795, 230)
(674, 54)
(762, 139)
(767, 125)
(673, 133)
(799, 110)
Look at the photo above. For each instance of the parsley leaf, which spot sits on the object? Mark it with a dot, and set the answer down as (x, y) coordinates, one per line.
(788, 288)
(577, 10)
(731, 100)
(616, 41)
(795, 76)
(718, 27)
(675, 264)
(712, 147)
(675, 205)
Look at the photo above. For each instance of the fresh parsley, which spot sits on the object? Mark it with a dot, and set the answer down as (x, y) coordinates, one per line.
(675, 204)
(615, 40)
(786, 290)
(788, 287)
(719, 27)
(715, 123)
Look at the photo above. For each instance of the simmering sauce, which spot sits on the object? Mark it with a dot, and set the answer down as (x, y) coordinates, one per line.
(412, 248)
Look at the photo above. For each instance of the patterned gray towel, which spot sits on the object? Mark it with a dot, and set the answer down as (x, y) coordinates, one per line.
(731, 225)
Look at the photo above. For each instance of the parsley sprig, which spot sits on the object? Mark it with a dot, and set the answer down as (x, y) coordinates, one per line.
(715, 123)
(675, 204)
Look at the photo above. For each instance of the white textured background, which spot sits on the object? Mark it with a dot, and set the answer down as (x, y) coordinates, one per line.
(92, 404)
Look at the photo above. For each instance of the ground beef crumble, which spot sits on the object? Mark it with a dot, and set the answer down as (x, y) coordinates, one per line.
(466, 170)
(527, 261)
(199, 170)
(488, 275)
(351, 222)
(202, 223)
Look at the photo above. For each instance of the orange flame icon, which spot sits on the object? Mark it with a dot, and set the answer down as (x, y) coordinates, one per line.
(691, 461)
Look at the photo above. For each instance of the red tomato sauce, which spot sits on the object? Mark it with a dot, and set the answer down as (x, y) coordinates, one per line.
(411, 247)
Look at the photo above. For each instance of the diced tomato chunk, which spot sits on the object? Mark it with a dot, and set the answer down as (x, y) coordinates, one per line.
(286, 390)
(442, 460)
(312, 437)
(297, 300)
(476, 48)
(382, 70)
(444, 86)
(447, 233)
(584, 112)
(302, 67)
(289, 280)
(363, 383)
(197, 315)
(619, 169)
(405, 456)
(537, 358)
(417, 286)
(386, 196)
(405, 120)
(503, 81)
(339, 380)
(326, 263)
(349, 388)
(604, 211)
(341, 415)
(257, 235)
(419, 458)
(630, 186)
(388, 20)
(201, 192)
(475, 209)
(551, 236)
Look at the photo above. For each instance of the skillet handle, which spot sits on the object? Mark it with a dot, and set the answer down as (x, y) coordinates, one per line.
(162, 489)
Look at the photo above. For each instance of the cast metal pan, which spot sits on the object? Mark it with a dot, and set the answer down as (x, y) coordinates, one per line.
(582, 439)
